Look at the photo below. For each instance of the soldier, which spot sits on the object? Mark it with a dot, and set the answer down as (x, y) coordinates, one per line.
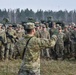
(38, 31)
(67, 41)
(54, 29)
(60, 44)
(73, 36)
(11, 36)
(19, 33)
(2, 42)
(45, 34)
(30, 48)
(47, 27)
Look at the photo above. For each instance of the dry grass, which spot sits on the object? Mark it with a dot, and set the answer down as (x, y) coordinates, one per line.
(58, 67)
(9, 67)
(50, 67)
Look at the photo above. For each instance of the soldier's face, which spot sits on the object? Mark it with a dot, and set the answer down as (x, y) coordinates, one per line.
(10, 27)
(60, 30)
(19, 28)
(40, 27)
(37, 27)
(44, 28)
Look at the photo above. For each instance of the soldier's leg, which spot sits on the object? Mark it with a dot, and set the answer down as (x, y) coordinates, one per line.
(75, 50)
(62, 50)
(57, 51)
(65, 52)
(42, 53)
(11, 51)
(28, 72)
(72, 49)
(7, 51)
(47, 52)
(2, 52)
(54, 53)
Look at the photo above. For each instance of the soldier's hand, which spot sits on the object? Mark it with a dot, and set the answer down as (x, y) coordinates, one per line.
(54, 37)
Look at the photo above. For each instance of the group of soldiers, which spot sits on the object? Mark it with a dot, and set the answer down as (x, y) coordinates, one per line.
(8, 37)
(64, 47)
(65, 44)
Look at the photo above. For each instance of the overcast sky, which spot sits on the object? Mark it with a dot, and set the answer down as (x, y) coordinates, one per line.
(54, 5)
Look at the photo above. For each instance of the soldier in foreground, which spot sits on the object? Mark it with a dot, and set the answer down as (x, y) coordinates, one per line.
(30, 48)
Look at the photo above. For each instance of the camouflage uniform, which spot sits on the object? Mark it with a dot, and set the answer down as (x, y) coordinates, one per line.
(38, 31)
(45, 34)
(2, 42)
(53, 31)
(60, 44)
(11, 35)
(67, 41)
(19, 33)
(73, 36)
(31, 61)
(38, 34)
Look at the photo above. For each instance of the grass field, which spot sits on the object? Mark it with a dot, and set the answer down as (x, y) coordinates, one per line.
(48, 67)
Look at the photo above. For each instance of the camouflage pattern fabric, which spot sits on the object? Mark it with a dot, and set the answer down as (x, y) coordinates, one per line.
(2, 42)
(31, 61)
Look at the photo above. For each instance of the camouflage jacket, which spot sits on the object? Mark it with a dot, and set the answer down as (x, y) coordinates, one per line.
(60, 38)
(45, 34)
(2, 37)
(11, 35)
(20, 34)
(32, 55)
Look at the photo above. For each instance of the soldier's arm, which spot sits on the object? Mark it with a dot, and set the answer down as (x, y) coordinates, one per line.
(48, 35)
(5, 39)
(47, 43)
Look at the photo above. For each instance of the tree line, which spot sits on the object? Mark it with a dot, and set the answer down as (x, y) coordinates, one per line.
(17, 15)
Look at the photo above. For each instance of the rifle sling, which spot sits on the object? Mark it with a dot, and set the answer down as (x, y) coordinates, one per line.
(26, 47)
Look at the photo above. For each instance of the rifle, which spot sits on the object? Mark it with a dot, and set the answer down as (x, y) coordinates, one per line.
(10, 37)
(1, 41)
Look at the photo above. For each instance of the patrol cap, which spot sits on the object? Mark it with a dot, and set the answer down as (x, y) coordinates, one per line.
(65, 26)
(30, 25)
(43, 26)
(36, 22)
(37, 25)
(54, 37)
(19, 25)
(10, 25)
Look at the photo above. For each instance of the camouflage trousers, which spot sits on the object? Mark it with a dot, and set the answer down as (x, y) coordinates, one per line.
(60, 50)
(2, 52)
(45, 52)
(28, 72)
(34, 70)
(9, 51)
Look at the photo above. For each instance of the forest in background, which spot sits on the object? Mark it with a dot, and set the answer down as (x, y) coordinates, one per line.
(20, 15)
